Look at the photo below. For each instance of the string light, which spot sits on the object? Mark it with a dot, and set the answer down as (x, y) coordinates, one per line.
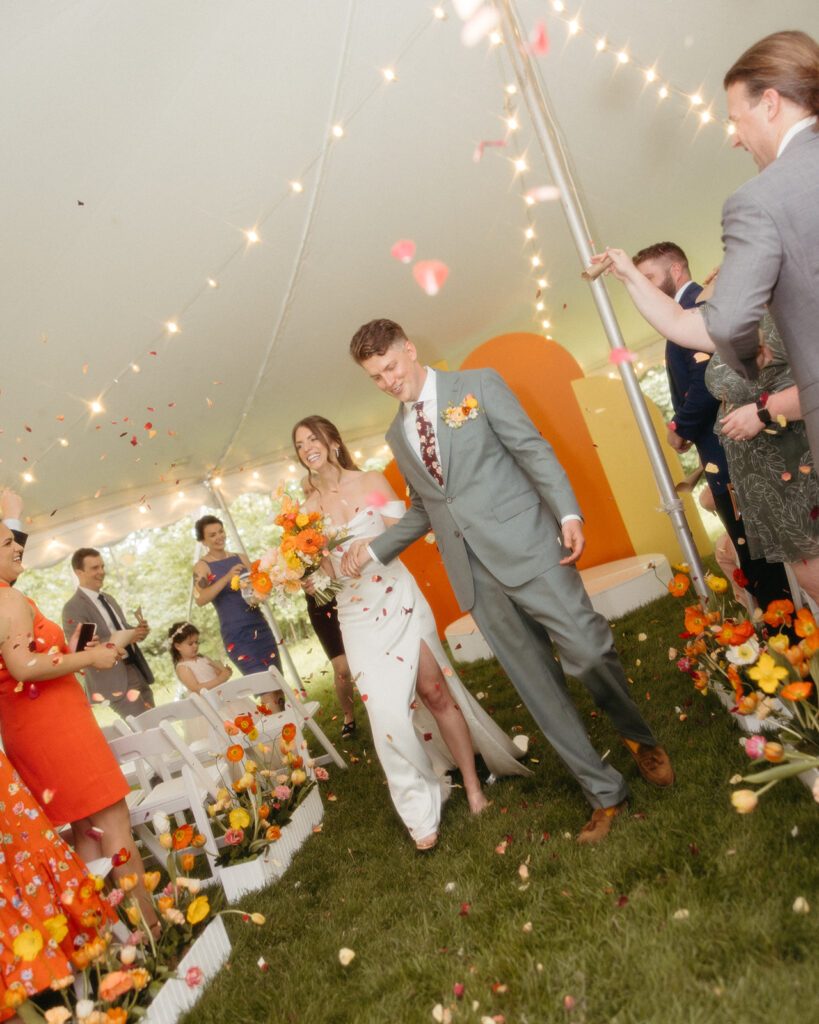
(600, 45)
(559, 6)
(520, 164)
(662, 92)
(545, 324)
(173, 327)
(731, 129)
(529, 200)
(543, 283)
(96, 406)
(696, 99)
(212, 282)
(706, 116)
(574, 27)
(337, 131)
(217, 481)
(512, 124)
(651, 74)
(622, 56)
(536, 261)
(530, 232)
(252, 236)
(439, 13)
(297, 186)
(539, 307)
(28, 478)
(495, 38)
(136, 368)
(100, 526)
(511, 89)
(389, 75)
(63, 442)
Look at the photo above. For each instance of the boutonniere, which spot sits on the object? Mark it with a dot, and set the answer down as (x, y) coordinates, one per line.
(457, 415)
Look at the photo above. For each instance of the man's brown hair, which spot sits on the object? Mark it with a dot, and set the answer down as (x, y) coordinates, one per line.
(80, 555)
(374, 338)
(785, 61)
(659, 249)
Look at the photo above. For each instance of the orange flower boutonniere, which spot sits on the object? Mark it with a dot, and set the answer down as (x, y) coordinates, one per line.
(457, 415)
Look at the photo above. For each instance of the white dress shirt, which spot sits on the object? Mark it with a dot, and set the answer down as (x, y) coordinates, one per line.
(429, 396)
(794, 129)
(95, 597)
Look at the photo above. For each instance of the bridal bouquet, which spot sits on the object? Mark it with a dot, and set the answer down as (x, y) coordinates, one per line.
(308, 538)
(772, 677)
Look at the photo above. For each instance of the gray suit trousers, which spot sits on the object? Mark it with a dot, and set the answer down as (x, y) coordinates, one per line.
(520, 624)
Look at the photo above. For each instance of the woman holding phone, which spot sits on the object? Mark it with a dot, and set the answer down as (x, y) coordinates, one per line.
(49, 731)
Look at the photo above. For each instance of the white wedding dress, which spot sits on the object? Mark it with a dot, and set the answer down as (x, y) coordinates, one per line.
(384, 617)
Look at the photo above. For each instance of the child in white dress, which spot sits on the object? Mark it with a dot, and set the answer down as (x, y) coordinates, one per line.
(194, 671)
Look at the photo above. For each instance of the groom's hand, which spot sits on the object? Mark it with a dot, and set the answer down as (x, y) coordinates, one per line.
(355, 557)
(574, 540)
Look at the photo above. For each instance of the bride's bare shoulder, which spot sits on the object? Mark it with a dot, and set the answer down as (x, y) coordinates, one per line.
(373, 482)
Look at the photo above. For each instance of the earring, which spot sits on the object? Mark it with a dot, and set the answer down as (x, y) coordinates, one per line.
(338, 452)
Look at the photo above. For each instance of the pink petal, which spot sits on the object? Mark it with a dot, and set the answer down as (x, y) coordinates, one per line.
(484, 144)
(430, 275)
(479, 25)
(543, 193)
(403, 250)
(377, 499)
(132, 695)
(539, 39)
(621, 355)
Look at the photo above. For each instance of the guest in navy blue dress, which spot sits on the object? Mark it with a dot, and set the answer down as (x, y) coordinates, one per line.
(247, 637)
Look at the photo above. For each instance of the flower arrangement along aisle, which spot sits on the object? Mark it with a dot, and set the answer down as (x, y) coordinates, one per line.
(771, 676)
(115, 981)
(307, 539)
(251, 812)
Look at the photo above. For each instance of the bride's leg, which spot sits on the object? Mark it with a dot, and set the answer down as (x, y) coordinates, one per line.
(432, 689)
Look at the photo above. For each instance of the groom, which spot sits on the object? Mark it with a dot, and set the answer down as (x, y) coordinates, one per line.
(509, 530)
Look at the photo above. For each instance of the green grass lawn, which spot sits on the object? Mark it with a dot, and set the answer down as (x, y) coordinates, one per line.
(682, 916)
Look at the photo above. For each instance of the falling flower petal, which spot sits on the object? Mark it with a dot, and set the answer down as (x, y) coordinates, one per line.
(681, 915)
(801, 905)
(621, 355)
(345, 956)
(477, 156)
(403, 250)
(431, 275)
(545, 194)
(539, 39)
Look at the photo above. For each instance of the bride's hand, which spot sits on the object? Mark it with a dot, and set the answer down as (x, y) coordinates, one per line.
(355, 557)
(308, 584)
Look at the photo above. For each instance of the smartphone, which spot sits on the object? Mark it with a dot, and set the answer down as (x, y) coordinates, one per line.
(85, 635)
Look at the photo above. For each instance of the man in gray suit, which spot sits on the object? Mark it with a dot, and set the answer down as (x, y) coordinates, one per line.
(90, 604)
(770, 225)
(509, 530)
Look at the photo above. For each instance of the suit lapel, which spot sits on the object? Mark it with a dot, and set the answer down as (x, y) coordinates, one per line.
(446, 391)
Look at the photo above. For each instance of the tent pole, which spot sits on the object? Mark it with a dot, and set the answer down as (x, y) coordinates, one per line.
(548, 136)
(287, 662)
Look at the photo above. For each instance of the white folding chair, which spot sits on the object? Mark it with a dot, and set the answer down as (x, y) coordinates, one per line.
(174, 795)
(301, 712)
(184, 711)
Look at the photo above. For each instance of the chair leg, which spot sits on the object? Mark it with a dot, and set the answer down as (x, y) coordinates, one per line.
(308, 723)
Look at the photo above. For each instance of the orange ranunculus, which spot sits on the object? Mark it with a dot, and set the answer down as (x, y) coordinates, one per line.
(695, 620)
(261, 582)
(735, 681)
(273, 833)
(182, 837)
(264, 812)
(805, 626)
(310, 541)
(198, 841)
(115, 984)
(244, 723)
(732, 634)
(188, 860)
(796, 691)
(116, 1015)
(778, 613)
(235, 753)
(289, 732)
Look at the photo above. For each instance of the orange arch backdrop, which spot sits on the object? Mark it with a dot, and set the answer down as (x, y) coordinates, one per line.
(540, 373)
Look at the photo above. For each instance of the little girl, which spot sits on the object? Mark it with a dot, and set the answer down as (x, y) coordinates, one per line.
(194, 671)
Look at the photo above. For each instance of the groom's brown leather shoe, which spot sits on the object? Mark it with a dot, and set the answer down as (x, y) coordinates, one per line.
(599, 825)
(652, 762)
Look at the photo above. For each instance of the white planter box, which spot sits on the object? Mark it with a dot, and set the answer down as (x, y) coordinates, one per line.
(238, 879)
(209, 952)
(748, 723)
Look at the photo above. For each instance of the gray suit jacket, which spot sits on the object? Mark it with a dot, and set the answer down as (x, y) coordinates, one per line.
(771, 238)
(504, 491)
(80, 608)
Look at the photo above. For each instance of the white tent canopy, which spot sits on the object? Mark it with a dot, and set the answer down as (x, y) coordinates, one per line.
(143, 140)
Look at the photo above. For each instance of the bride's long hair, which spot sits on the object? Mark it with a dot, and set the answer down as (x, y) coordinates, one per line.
(328, 434)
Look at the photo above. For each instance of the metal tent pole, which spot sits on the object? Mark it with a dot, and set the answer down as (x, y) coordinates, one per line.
(547, 132)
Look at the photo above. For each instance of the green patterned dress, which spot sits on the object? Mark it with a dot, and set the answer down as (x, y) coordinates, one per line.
(778, 498)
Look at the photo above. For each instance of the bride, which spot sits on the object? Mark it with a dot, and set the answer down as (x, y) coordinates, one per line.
(394, 652)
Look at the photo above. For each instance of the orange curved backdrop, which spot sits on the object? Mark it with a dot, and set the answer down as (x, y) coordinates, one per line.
(540, 373)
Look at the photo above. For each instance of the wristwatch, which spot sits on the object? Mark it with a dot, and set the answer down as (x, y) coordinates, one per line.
(762, 412)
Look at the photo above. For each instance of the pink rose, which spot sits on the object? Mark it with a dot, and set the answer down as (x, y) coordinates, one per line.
(194, 977)
(282, 792)
(321, 774)
(234, 836)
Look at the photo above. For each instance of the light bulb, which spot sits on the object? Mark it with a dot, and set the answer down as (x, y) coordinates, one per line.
(173, 327)
(696, 99)
(600, 45)
(529, 232)
(63, 442)
(520, 164)
(512, 124)
(28, 478)
(706, 116)
(136, 368)
(536, 261)
(545, 324)
(297, 186)
(494, 38)
(539, 307)
(663, 93)
(389, 75)
(511, 89)
(338, 131)
(217, 480)
(651, 74)
(439, 13)
(96, 406)
(622, 56)
(212, 282)
(559, 6)
(252, 236)
(542, 283)
(574, 27)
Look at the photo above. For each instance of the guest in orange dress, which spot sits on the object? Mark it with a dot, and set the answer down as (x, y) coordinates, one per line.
(49, 731)
(48, 905)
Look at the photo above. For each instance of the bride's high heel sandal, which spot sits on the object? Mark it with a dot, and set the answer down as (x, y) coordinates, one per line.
(427, 843)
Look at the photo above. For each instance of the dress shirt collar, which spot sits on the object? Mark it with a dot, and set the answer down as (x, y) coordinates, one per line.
(428, 391)
(93, 594)
(681, 291)
(794, 129)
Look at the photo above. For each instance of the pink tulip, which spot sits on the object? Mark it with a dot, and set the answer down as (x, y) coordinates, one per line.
(755, 746)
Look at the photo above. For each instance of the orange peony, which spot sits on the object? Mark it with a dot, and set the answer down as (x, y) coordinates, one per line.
(116, 1015)
(273, 833)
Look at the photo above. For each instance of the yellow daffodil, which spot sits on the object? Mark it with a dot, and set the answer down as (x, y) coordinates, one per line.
(767, 674)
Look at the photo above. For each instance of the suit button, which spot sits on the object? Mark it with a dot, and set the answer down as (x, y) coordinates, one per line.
(449, 501)
(457, 533)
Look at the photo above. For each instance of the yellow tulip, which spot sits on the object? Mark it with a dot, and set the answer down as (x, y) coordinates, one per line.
(198, 910)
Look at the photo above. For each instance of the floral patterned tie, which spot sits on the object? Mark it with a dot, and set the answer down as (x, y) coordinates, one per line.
(426, 436)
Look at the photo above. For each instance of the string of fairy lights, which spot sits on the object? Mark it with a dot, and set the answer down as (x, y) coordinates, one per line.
(298, 186)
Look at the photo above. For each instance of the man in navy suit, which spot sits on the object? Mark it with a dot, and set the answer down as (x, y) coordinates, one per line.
(665, 265)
